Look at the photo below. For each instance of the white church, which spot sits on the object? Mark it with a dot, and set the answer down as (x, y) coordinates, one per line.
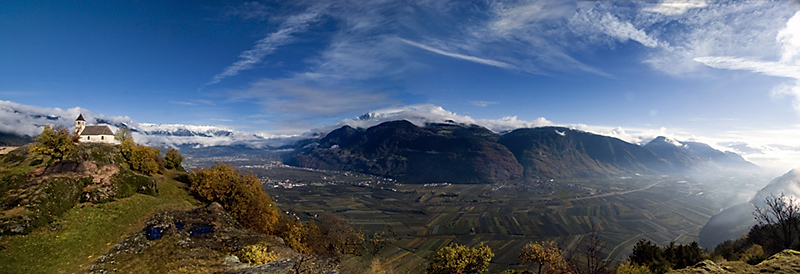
(93, 134)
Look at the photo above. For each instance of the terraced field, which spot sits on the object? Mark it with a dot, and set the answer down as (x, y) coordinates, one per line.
(505, 217)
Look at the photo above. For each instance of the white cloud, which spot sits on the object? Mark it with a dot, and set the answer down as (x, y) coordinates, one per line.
(482, 103)
(676, 7)
(777, 69)
(788, 66)
(429, 113)
(30, 120)
(268, 45)
(733, 28)
(612, 26)
(461, 56)
(249, 10)
(789, 38)
(293, 100)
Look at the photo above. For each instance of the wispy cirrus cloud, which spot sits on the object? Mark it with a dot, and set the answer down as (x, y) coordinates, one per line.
(293, 101)
(461, 56)
(787, 67)
(612, 26)
(483, 103)
(267, 45)
(249, 10)
(675, 7)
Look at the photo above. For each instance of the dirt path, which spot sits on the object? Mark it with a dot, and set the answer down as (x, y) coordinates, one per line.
(6, 150)
(615, 193)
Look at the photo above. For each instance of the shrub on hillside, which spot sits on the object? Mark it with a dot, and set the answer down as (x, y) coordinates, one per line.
(55, 142)
(240, 193)
(646, 253)
(632, 268)
(256, 254)
(455, 258)
(336, 237)
(140, 158)
(173, 159)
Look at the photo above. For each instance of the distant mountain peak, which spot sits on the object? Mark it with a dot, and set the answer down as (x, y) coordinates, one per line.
(666, 140)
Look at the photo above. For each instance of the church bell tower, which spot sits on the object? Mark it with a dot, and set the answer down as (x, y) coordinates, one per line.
(80, 124)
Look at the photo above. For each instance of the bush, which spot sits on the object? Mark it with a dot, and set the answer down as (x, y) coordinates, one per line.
(298, 236)
(173, 159)
(632, 268)
(455, 258)
(336, 237)
(239, 193)
(753, 254)
(140, 158)
(256, 254)
(55, 142)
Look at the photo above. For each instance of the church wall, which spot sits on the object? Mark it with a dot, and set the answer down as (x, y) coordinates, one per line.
(109, 139)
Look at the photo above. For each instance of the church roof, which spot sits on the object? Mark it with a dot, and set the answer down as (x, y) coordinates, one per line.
(80, 117)
(97, 130)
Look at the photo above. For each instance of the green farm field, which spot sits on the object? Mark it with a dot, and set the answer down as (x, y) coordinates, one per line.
(423, 218)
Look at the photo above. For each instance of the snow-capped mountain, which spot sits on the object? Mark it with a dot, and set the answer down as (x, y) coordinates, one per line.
(29, 120)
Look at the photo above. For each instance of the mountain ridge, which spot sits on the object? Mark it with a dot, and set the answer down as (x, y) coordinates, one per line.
(401, 149)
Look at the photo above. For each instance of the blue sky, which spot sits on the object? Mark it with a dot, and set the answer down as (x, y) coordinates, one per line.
(724, 72)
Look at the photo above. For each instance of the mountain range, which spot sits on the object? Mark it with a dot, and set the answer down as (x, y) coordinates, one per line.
(452, 152)
(422, 143)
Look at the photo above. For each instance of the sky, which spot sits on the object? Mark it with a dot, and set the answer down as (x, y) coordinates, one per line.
(723, 72)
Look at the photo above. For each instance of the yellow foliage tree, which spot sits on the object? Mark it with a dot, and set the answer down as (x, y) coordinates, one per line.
(459, 259)
(542, 253)
(297, 235)
(240, 193)
(144, 159)
(173, 159)
(56, 142)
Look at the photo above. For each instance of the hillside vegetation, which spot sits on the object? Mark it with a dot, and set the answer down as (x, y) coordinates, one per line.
(104, 208)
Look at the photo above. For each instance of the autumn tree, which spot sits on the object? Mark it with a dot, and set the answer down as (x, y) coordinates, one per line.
(299, 236)
(544, 253)
(56, 142)
(122, 134)
(173, 159)
(238, 192)
(459, 259)
(145, 159)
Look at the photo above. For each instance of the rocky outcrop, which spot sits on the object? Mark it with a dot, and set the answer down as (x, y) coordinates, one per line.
(202, 240)
(34, 199)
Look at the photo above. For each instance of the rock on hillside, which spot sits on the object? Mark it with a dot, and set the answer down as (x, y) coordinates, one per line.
(402, 150)
(202, 240)
(787, 261)
(34, 198)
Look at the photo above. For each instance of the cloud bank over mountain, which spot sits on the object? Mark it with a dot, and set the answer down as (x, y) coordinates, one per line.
(775, 148)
